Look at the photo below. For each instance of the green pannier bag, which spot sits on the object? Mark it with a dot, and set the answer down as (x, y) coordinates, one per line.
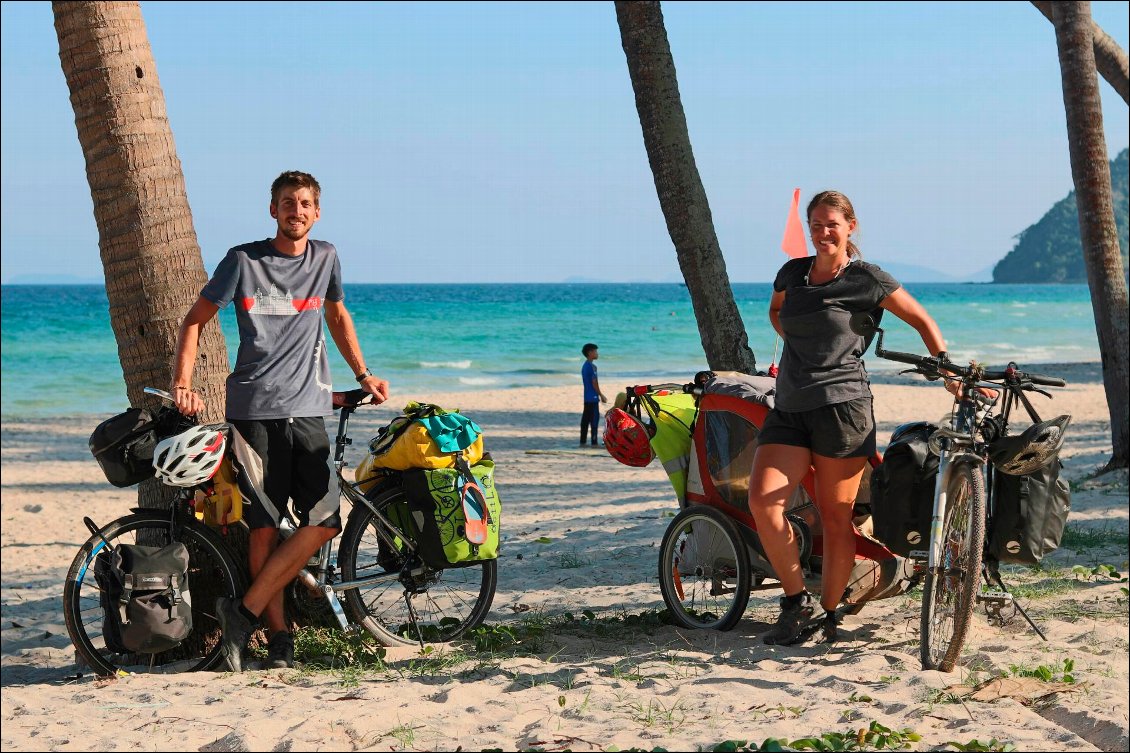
(438, 521)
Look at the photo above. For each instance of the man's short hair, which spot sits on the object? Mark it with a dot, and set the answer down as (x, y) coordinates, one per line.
(589, 348)
(296, 179)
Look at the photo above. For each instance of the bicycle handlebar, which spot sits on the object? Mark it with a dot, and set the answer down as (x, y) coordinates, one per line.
(933, 366)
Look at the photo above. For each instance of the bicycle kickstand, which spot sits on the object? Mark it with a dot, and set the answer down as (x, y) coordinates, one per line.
(412, 617)
(996, 600)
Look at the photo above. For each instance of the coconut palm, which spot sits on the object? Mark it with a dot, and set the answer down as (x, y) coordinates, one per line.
(1091, 173)
(150, 255)
(681, 195)
(1110, 59)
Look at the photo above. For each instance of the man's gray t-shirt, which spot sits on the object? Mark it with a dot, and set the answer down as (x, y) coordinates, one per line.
(821, 363)
(282, 370)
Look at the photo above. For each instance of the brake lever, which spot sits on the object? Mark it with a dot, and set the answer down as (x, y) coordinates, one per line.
(1033, 388)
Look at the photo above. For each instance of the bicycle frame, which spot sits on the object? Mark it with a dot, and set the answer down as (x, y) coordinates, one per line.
(321, 580)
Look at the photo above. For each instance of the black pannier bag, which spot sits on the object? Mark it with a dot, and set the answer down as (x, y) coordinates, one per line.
(144, 596)
(123, 444)
(1029, 515)
(902, 490)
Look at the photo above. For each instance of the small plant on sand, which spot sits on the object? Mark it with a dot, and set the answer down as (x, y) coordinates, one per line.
(1098, 572)
(572, 559)
(325, 648)
(403, 733)
(977, 745)
(657, 713)
(1078, 538)
(1061, 672)
(872, 737)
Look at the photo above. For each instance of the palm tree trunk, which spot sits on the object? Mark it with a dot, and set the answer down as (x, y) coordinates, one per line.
(1091, 172)
(1110, 59)
(150, 255)
(681, 195)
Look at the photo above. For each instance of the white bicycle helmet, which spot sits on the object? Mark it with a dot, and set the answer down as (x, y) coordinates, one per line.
(191, 457)
(1026, 453)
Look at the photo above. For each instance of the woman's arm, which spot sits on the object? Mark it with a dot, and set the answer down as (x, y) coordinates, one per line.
(775, 303)
(903, 305)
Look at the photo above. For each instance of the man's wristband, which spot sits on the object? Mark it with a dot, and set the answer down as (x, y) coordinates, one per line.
(364, 375)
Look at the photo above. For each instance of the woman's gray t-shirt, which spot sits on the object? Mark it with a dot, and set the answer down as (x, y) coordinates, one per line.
(822, 363)
(281, 370)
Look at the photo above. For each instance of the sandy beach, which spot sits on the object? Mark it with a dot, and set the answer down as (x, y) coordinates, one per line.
(612, 676)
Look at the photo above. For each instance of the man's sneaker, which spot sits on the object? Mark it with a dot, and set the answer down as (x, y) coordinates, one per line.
(794, 621)
(280, 651)
(235, 629)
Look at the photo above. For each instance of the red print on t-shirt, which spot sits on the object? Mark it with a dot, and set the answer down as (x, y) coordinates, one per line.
(306, 304)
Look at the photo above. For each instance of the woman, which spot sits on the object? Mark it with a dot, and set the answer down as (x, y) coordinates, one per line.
(823, 417)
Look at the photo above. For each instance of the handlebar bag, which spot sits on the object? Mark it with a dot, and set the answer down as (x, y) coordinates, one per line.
(1029, 515)
(144, 597)
(123, 446)
(439, 518)
(902, 490)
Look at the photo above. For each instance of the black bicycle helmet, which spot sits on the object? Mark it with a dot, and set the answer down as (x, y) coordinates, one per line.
(1030, 451)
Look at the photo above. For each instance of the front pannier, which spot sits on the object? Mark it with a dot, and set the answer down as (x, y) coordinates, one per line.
(902, 490)
(1029, 515)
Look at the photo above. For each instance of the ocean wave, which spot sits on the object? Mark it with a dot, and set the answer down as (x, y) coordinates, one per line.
(446, 364)
(477, 381)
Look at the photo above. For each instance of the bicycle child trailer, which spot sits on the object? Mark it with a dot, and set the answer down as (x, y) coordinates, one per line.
(705, 434)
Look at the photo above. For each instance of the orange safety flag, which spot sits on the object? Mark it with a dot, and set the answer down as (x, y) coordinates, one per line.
(793, 243)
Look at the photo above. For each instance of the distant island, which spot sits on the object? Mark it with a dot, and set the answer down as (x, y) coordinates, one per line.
(1051, 250)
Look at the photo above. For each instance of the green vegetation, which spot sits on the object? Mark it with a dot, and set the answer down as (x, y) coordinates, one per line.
(1062, 672)
(1051, 250)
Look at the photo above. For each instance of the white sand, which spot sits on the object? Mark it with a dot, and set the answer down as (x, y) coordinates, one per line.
(587, 688)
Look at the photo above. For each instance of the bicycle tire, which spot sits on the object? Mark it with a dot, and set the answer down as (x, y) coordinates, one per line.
(212, 572)
(448, 603)
(704, 570)
(949, 592)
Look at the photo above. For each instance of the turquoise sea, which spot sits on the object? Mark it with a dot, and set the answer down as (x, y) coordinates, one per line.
(60, 358)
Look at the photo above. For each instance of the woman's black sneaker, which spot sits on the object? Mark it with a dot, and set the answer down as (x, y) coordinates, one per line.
(794, 622)
(280, 651)
(829, 628)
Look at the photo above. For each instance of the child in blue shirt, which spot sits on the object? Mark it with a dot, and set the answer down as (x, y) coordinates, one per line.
(593, 396)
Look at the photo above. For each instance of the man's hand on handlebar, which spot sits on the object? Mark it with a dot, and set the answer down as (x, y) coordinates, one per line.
(188, 402)
(376, 387)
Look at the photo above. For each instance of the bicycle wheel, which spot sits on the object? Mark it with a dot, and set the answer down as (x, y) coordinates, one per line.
(446, 603)
(950, 590)
(704, 570)
(211, 572)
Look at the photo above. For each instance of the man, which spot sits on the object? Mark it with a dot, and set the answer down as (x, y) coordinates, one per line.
(278, 397)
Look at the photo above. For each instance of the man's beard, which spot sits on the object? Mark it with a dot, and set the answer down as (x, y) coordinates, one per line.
(295, 235)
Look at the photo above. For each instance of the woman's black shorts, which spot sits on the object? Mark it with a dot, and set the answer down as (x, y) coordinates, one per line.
(841, 430)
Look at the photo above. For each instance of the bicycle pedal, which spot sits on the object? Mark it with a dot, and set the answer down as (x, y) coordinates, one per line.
(995, 596)
(919, 555)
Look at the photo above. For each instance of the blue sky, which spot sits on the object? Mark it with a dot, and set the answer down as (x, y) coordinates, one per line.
(500, 143)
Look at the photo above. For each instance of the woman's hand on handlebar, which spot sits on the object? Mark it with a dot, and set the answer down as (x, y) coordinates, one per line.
(376, 387)
(188, 402)
(954, 386)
